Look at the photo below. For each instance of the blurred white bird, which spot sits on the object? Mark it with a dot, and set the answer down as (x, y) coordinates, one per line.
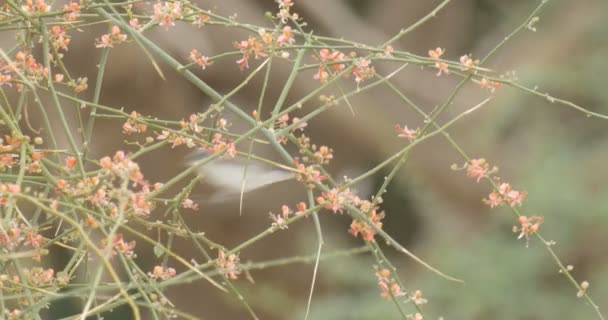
(228, 176)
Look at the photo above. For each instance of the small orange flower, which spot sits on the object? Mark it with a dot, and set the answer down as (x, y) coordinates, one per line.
(436, 54)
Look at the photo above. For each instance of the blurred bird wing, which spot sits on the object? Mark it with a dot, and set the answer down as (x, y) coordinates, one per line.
(229, 176)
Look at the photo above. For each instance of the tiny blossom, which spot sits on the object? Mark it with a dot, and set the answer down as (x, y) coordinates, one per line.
(6, 79)
(478, 168)
(285, 211)
(301, 208)
(286, 37)
(361, 227)
(329, 58)
(336, 199)
(417, 298)
(201, 20)
(165, 13)
(222, 123)
(199, 59)
(133, 125)
(324, 155)
(490, 85)
(363, 70)
(58, 77)
(72, 11)
(8, 160)
(528, 226)
(442, 67)
(494, 200)
(27, 64)
(39, 277)
(583, 290)
(37, 7)
(140, 205)
(123, 167)
(309, 174)
(388, 51)
(282, 123)
(228, 264)
(405, 132)
(15, 314)
(189, 204)
(467, 62)
(388, 290)
(300, 125)
(436, 54)
(266, 37)
(113, 38)
(248, 47)
(59, 38)
(416, 316)
(162, 273)
(134, 23)
(62, 185)
(284, 14)
(119, 245)
(513, 197)
(81, 85)
(70, 163)
(283, 4)
(11, 237)
(91, 222)
(278, 221)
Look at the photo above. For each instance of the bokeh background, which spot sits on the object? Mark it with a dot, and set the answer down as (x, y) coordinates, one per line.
(557, 154)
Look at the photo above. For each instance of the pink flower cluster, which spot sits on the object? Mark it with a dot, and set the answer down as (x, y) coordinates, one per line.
(111, 39)
(329, 59)
(505, 194)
